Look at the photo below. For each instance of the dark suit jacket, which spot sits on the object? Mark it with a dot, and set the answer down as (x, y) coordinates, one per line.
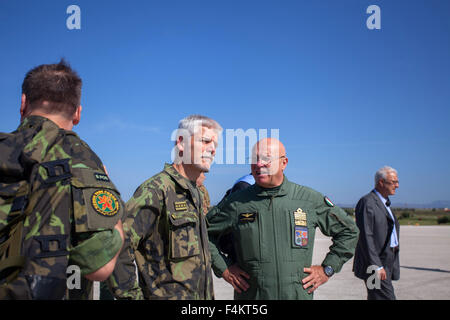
(375, 228)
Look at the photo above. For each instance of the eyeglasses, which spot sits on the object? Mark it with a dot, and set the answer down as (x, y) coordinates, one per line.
(391, 182)
(265, 161)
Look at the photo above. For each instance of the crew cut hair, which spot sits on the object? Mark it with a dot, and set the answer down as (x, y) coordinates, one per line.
(382, 173)
(55, 84)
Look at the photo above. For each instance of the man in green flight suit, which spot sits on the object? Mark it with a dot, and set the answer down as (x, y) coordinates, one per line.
(273, 223)
(59, 211)
(165, 227)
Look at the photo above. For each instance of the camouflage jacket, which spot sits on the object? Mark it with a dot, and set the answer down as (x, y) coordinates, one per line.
(166, 235)
(71, 211)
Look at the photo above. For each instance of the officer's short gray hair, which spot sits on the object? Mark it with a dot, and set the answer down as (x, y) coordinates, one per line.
(194, 122)
(191, 124)
(383, 172)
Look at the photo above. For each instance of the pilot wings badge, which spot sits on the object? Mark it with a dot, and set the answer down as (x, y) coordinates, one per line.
(248, 217)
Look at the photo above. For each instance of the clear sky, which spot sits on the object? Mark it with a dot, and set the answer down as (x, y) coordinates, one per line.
(345, 99)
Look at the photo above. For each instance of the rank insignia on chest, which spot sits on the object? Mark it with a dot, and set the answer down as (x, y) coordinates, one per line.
(180, 205)
(301, 236)
(300, 218)
(248, 217)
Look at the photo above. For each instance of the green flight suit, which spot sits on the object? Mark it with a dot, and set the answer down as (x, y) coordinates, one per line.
(274, 232)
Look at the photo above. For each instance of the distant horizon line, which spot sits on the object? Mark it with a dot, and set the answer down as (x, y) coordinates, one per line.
(439, 204)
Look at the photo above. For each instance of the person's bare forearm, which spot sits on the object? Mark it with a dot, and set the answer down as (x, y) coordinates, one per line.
(104, 272)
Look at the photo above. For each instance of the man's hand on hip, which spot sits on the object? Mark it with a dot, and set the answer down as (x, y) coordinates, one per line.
(316, 278)
(235, 276)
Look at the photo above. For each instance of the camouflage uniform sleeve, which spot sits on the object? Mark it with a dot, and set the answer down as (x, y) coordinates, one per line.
(102, 245)
(142, 211)
(221, 219)
(97, 207)
(334, 222)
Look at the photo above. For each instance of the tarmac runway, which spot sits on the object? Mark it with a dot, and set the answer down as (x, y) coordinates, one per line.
(424, 268)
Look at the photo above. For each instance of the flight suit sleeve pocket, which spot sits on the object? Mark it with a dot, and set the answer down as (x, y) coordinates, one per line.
(97, 203)
(183, 233)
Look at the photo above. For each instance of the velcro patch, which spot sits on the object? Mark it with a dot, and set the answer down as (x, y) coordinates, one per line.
(248, 217)
(300, 236)
(105, 203)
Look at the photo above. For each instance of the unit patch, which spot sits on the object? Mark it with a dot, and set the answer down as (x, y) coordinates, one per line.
(248, 217)
(180, 206)
(300, 218)
(301, 236)
(105, 203)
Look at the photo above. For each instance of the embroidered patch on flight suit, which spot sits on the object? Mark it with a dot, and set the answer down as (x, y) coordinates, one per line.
(300, 218)
(180, 206)
(328, 202)
(248, 217)
(301, 236)
(105, 203)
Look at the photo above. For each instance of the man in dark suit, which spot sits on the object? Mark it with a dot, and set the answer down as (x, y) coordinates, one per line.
(378, 246)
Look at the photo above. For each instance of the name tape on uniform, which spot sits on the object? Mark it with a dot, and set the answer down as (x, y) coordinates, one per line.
(101, 177)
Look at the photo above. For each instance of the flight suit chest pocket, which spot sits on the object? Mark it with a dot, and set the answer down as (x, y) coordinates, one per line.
(248, 236)
(183, 234)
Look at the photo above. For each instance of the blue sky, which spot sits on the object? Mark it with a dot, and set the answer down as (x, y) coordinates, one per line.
(346, 100)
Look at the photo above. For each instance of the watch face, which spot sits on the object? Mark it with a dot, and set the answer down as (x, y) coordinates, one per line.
(328, 271)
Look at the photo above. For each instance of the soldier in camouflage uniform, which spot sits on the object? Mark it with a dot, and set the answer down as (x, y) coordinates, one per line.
(165, 228)
(58, 207)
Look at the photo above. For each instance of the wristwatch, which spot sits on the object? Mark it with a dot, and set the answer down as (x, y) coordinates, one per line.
(329, 271)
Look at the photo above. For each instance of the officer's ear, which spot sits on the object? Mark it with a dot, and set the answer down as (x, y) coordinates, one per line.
(77, 116)
(179, 150)
(180, 144)
(284, 163)
(23, 106)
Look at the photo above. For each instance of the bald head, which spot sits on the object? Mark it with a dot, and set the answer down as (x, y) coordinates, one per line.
(270, 146)
(268, 162)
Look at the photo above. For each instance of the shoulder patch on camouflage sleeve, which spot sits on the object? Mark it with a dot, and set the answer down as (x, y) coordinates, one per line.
(105, 203)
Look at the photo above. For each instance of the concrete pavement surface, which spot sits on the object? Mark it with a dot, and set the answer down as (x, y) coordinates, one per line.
(424, 268)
